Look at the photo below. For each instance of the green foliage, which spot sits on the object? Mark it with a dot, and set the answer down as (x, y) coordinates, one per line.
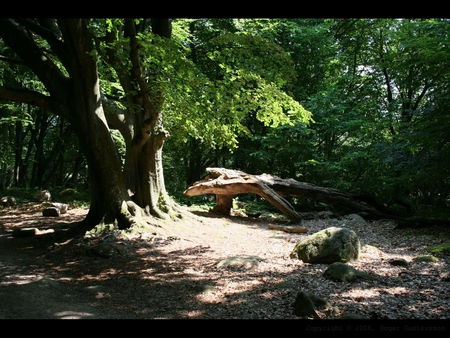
(365, 138)
(211, 106)
(355, 104)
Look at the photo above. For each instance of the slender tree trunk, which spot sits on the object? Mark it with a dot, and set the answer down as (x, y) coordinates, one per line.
(76, 169)
(19, 170)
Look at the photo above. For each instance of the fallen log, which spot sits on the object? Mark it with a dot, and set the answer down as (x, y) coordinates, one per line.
(288, 228)
(226, 184)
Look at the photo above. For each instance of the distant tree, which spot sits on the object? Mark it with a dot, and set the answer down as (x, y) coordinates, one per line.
(372, 118)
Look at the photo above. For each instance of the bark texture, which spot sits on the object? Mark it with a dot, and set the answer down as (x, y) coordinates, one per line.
(77, 98)
(141, 123)
(226, 183)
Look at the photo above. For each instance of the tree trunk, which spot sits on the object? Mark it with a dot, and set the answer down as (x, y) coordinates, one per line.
(76, 170)
(141, 124)
(225, 184)
(77, 98)
(109, 197)
(150, 188)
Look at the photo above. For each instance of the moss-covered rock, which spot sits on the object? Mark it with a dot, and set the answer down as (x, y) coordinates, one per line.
(425, 258)
(306, 304)
(68, 195)
(399, 262)
(328, 246)
(340, 272)
(442, 249)
(240, 261)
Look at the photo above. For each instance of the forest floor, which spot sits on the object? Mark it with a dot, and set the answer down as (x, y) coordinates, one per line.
(212, 268)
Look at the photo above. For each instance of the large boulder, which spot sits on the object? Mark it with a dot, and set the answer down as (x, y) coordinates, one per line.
(328, 246)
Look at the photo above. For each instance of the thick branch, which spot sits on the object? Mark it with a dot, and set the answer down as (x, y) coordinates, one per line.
(48, 30)
(29, 97)
(9, 60)
(30, 53)
(226, 182)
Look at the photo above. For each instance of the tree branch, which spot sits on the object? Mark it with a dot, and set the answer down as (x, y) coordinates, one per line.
(28, 97)
(48, 30)
(31, 55)
(13, 61)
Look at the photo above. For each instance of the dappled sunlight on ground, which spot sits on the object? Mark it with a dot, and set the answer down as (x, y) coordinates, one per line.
(174, 272)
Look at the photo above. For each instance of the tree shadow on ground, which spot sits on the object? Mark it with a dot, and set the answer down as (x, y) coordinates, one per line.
(149, 282)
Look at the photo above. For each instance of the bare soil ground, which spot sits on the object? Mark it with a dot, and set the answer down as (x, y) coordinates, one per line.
(212, 268)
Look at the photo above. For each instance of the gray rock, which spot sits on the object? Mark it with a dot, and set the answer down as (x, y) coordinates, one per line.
(8, 201)
(328, 246)
(42, 196)
(340, 272)
(61, 206)
(355, 218)
(25, 232)
(240, 261)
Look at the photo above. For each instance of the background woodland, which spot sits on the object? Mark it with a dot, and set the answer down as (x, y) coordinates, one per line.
(353, 104)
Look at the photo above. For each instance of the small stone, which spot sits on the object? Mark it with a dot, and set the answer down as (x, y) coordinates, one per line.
(61, 206)
(51, 212)
(8, 201)
(24, 232)
(398, 262)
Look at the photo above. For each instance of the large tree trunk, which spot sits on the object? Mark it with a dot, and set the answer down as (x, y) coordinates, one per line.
(150, 188)
(141, 124)
(109, 198)
(77, 98)
(226, 184)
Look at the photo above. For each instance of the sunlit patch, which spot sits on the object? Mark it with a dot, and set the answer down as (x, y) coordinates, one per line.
(73, 315)
(194, 314)
(19, 279)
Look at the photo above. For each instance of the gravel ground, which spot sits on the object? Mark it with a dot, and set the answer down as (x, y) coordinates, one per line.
(214, 268)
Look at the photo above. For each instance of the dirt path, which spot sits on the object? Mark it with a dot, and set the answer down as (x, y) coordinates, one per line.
(30, 287)
(214, 268)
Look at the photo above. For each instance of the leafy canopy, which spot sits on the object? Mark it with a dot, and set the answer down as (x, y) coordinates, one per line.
(250, 74)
